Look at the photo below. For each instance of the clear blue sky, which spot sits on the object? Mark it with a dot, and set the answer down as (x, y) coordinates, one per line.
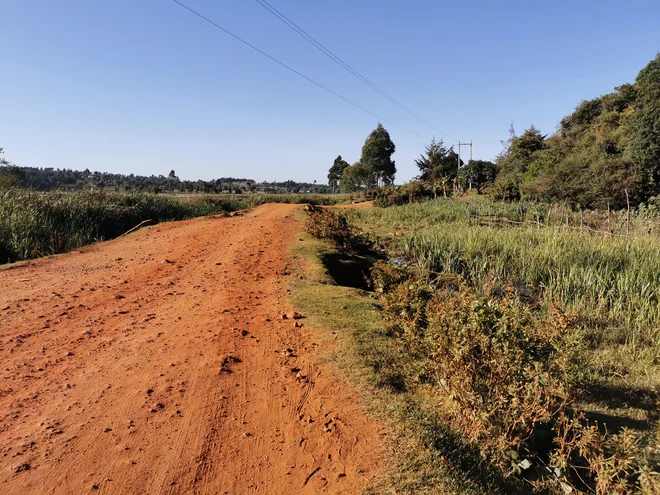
(143, 86)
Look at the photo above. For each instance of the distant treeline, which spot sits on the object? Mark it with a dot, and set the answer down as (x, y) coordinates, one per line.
(51, 179)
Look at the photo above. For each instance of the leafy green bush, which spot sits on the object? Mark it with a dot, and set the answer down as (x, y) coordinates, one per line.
(412, 192)
(503, 377)
(500, 373)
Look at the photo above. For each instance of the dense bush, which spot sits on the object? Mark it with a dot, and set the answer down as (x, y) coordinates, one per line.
(607, 152)
(503, 376)
(323, 223)
(500, 374)
(412, 192)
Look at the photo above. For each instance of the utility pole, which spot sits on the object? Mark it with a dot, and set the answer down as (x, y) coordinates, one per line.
(458, 168)
(459, 151)
(459, 157)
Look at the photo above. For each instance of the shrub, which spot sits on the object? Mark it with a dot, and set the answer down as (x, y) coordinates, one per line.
(413, 192)
(499, 372)
(331, 225)
(385, 276)
(503, 376)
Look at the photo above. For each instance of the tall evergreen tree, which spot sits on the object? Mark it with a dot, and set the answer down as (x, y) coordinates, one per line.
(438, 165)
(377, 157)
(336, 171)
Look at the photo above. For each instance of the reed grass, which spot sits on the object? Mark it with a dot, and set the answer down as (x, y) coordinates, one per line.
(612, 279)
(34, 224)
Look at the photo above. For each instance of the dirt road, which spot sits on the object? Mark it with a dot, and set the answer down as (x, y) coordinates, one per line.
(159, 363)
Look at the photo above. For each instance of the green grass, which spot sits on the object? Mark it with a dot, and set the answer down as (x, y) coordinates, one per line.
(614, 281)
(35, 224)
(478, 210)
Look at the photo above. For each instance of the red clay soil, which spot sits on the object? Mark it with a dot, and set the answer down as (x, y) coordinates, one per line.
(160, 363)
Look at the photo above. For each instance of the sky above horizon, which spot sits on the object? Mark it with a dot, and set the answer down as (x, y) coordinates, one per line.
(144, 86)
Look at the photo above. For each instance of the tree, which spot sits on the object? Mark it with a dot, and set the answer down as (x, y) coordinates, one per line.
(516, 161)
(354, 177)
(438, 165)
(645, 146)
(336, 171)
(377, 157)
(478, 174)
(10, 175)
(171, 180)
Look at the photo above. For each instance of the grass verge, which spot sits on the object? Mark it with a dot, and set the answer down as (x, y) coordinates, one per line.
(417, 443)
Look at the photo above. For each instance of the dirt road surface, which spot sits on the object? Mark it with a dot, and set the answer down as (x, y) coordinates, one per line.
(159, 363)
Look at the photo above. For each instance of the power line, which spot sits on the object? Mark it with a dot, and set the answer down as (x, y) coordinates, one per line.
(294, 70)
(343, 64)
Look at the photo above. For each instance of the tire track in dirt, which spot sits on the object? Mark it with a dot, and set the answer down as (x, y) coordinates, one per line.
(158, 363)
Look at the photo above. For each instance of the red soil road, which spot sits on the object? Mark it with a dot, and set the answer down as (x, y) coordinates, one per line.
(158, 363)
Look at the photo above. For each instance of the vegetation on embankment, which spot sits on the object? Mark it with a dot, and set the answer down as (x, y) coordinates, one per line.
(527, 355)
(35, 224)
(607, 152)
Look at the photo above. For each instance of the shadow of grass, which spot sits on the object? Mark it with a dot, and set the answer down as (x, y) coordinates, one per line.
(348, 270)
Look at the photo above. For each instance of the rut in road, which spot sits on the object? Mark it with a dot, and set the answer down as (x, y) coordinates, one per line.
(159, 363)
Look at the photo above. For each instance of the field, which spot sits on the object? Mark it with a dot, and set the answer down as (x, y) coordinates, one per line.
(35, 224)
(518, 344)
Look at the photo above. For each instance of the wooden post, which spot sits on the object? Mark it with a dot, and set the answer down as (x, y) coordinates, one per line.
(581, 221)
(627, 218)
(608, 217)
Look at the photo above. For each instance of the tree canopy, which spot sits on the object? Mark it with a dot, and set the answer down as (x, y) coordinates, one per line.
(355, 177)
(377, 157)
(336, 171)
(477, 174)
(48, 179)
(10, 175)
(605, 153)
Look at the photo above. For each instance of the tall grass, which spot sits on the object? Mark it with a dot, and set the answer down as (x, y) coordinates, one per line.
(612, 279)
(478, 211)
(34, 224)
(604, 277)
